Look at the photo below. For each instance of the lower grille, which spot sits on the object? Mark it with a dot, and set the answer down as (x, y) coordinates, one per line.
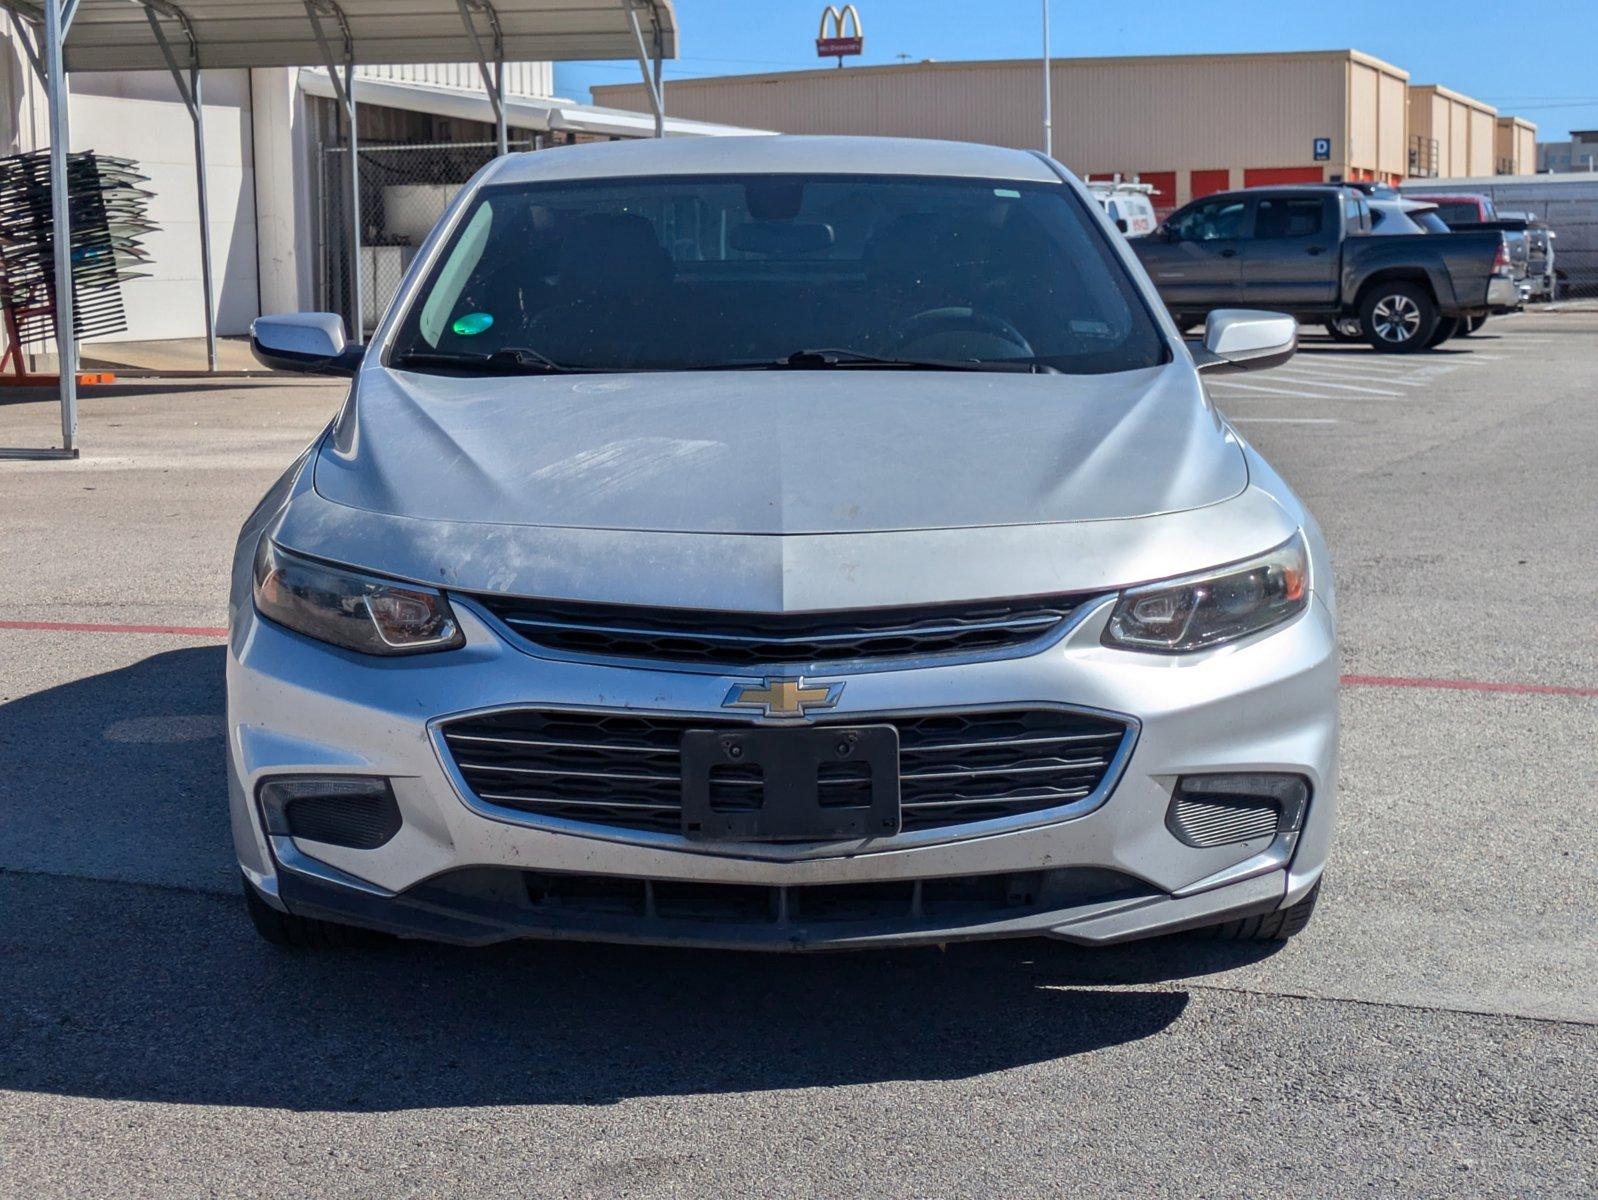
(624, 771)
(781, 639)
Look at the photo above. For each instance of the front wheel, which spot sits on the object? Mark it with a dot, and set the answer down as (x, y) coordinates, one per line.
(1399, 318)
(1275, 926)
(308, 933)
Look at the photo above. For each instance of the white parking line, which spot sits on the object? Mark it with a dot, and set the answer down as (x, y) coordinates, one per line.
(1303, 371)
(1271, 391)
(1342, 387)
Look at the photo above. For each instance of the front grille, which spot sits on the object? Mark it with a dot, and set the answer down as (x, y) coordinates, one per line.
(781, 639)
(625, 770)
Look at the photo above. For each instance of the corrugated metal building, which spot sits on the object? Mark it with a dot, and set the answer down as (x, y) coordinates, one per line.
(1453, 133)
(1515, 147)
(1189, 124)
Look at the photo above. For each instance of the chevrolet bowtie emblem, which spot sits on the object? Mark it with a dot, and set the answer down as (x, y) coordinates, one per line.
(783, 697)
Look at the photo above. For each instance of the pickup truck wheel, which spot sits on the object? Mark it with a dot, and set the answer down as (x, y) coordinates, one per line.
(1399, 318)
(1346, 330)
(1446, 328)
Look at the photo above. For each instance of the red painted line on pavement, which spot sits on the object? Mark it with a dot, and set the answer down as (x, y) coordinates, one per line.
(1389, 681)
(79, 627)
(1467, 685)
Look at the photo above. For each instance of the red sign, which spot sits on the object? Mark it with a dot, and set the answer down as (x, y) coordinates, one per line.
(836, 47)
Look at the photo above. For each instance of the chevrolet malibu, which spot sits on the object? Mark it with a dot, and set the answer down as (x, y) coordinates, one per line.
(779, 543)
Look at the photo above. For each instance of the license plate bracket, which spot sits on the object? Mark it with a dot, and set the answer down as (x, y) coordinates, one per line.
(816, 783)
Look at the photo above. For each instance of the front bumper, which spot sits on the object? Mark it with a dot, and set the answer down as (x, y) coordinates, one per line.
(459, 869)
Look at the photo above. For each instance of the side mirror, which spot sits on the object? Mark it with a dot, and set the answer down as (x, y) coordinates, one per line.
(1165, 233)
(1241, 339)
(1120, 223)
(312, 343)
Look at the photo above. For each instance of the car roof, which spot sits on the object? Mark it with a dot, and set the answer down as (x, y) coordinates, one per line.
(768, 154)
(1469, 197)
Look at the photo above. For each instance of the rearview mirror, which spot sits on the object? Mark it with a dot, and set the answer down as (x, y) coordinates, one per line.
(312, 343)
(1242, 339)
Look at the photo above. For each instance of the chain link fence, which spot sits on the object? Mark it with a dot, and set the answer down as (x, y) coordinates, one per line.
(404, 191)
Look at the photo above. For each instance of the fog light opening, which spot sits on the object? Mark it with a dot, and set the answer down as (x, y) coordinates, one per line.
(1228, 810)
(355, 811)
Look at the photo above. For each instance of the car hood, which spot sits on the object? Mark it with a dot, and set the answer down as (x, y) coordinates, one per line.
(780, 452)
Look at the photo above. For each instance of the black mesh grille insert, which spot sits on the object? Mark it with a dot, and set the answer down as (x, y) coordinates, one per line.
(362, 822)
(624, 770)
(783, 639)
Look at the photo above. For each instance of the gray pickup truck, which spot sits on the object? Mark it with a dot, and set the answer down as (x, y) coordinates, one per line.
(1306, 251)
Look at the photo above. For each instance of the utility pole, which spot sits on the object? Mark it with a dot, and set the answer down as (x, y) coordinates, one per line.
(1048, 103)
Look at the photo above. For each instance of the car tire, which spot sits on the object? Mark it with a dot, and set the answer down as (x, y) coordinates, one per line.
(1346, 330)
(1446, 328)
(1275, 926)
(1472, 325)
(302, 933)
(1398, 317)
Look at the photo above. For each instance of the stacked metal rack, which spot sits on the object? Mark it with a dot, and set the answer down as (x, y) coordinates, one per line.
(109, 218)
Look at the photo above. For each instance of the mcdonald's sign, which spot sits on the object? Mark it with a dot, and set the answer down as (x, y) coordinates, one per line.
(840, 33)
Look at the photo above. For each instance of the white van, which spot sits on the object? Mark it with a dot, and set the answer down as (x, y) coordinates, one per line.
(1127, 204)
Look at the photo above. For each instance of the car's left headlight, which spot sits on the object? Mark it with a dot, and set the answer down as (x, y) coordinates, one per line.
(349, 609)
(1196, 612)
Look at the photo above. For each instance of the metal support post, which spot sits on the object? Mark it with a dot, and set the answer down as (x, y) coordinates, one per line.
(66, 341)
(189, 90)
(650, 73)
(344, 90)
(1048, 97)
(493, 73)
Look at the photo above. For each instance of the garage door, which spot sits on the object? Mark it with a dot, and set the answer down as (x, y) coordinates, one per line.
(1207, 183)
(1259, 176)
(1164, 184)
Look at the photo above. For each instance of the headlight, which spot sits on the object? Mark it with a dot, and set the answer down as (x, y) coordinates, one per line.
(346, 608)
(1217, 606)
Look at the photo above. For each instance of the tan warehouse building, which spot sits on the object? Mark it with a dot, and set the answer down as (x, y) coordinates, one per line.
(1188, 124)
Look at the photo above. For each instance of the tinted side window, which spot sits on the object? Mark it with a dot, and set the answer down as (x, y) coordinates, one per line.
(1289, 218)
(1210, 221)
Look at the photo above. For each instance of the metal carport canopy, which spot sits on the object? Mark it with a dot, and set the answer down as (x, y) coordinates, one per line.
(114, 35)
(185, 36)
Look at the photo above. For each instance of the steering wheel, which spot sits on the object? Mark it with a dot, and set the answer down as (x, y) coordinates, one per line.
(936, 321)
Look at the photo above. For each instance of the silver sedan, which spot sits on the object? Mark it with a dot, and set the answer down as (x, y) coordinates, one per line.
(779, 543)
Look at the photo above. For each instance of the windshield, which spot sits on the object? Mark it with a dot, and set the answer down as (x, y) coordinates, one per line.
(1428, 220)
(768, 270)
(1459, 212)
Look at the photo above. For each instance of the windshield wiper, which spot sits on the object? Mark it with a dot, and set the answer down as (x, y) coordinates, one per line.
(507, 360)
(830, 358)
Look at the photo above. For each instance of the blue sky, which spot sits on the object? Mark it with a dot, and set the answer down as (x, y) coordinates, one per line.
(1533, 58)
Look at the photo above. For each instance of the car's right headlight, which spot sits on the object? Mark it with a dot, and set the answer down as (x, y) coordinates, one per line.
(349, 609)
(1196, 612)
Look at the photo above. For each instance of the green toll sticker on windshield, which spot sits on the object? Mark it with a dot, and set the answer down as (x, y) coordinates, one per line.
(472, 324)
(1007, 193)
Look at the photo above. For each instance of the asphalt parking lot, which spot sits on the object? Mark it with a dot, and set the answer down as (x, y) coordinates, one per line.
(1433, 1033)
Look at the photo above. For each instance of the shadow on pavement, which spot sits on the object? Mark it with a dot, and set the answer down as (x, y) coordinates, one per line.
(120, 774)
(117, 990)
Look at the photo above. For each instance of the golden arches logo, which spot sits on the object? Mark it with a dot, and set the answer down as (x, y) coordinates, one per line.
(840, 32)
